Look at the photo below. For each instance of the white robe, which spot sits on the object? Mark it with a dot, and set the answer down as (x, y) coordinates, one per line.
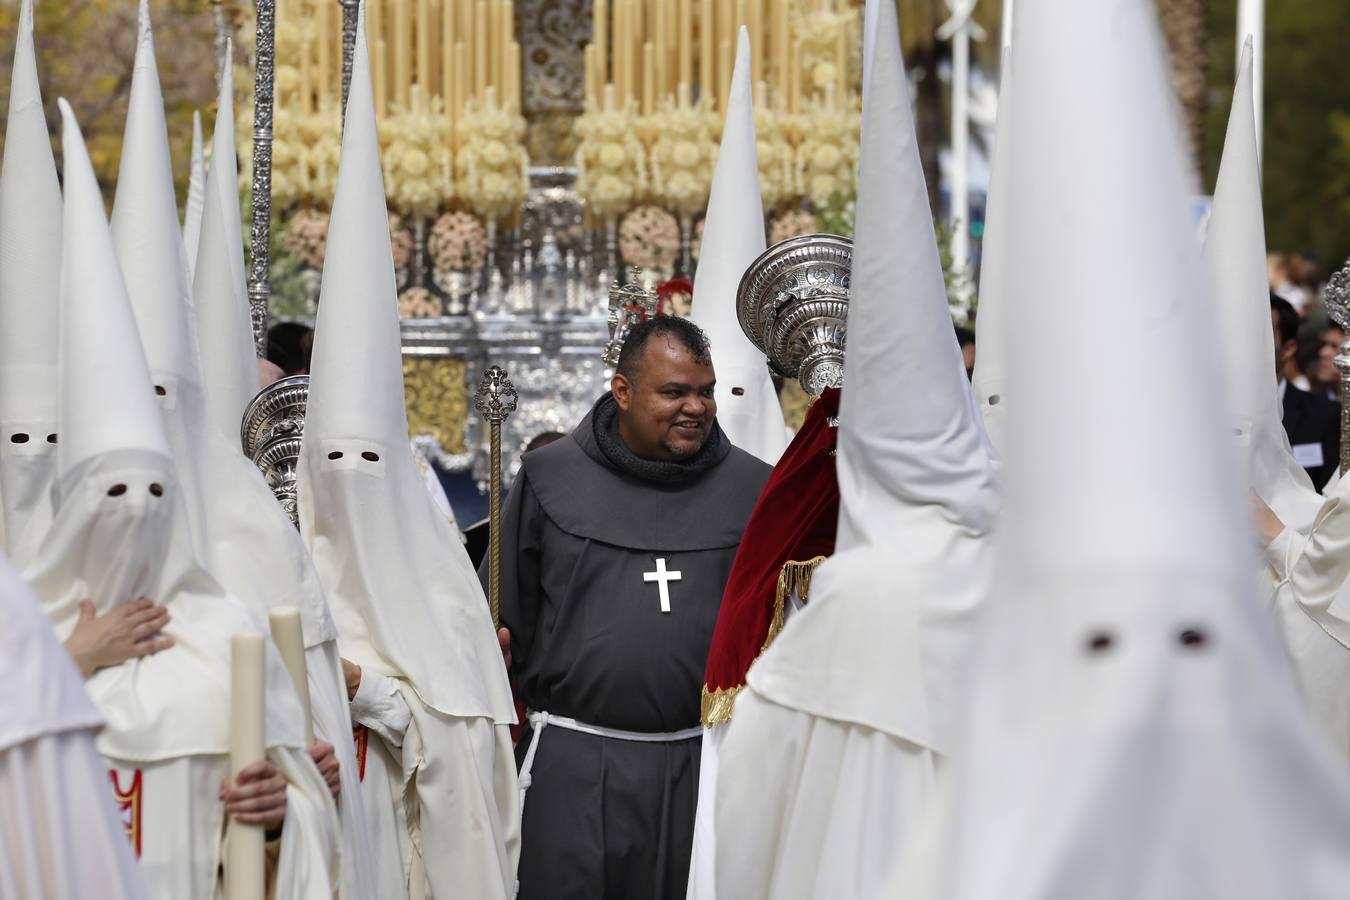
(165, 803)
(834, 803)
(361, 839)
(1310, 604)
(59, 838)
(53, 784)
(827, 770)
(703, 854)
(448, 841)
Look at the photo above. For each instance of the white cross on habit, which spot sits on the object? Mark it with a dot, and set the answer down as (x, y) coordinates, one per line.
(663, 578)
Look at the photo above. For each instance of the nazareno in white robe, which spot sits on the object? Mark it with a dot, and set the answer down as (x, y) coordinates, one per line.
(166, 741)
(243, 535)
(834, 748)
(402, 592)
(60, 838)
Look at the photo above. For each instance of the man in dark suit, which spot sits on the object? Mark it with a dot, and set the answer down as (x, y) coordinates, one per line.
(1313, 423)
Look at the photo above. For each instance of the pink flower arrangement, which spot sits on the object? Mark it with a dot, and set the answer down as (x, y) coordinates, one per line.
(791, 223)
(401, 240)
(458, 243)
(307, 236)
(418, 303)
(649, 237)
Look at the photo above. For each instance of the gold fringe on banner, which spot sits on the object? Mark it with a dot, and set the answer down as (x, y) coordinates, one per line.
(795, 576)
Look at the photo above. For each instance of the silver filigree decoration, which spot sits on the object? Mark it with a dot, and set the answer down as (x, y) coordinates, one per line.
(351, 15)
(630, 304)
(552, 36)
(1337, 298)
(260, 229)
(496, 397)
(792, 304)
(271, 433)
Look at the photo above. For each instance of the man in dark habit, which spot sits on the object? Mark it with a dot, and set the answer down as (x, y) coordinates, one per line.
(616, 546)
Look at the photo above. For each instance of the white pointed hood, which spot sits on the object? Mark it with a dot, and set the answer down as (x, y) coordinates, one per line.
(1130, 690)
(916, 491)
(733, 238)
(224, 327)
(30, 264)
(107, 403)
(989, 378)
(403, 591)
(1235, 253)
(145, 222)
(901, 450)
(196, 195)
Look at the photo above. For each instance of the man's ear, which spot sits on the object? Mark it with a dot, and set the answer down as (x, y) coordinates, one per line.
(1287, 351)
(622, 389)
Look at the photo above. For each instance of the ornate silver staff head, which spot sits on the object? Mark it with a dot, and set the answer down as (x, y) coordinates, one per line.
(1338, 298)
(1338, 305)
(273, 425)
(496, 396)
(793, 305)
(630, 304)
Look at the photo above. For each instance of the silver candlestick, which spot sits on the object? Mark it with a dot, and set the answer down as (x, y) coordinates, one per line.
(1338, 305)
(260, 231)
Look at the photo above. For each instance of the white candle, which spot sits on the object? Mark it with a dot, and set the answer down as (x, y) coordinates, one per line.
(447, 57)
(323, 81)
(402, 52)
(480, 51)
(244, 857)
(424, 45)
(287, 635)
(684, 31)
(707, 49)
(648, 78)
(381, 78)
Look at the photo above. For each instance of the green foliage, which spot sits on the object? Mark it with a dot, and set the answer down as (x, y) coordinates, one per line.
(85, 51)
(294, 287)
(1306, 153)
(838, 216)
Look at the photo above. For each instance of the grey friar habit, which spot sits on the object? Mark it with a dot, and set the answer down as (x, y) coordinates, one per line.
(586, 520)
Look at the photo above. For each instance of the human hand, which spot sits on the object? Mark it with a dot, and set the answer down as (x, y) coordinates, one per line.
(504, 638)
(1268, 525)
(326, 759)
(258, 796)
(124, 632)
(351, 673)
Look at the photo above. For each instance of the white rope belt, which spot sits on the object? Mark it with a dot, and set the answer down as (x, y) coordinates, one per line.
(541, 720)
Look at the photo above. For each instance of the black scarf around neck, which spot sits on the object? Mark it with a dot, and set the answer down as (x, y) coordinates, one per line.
(605, 427)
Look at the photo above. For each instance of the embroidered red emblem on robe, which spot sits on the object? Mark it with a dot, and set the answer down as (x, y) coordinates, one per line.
(129, 807)
(361, 735)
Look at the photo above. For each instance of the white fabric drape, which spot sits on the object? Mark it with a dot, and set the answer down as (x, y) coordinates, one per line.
(834, 804)
(59, 835)
(60, 838)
